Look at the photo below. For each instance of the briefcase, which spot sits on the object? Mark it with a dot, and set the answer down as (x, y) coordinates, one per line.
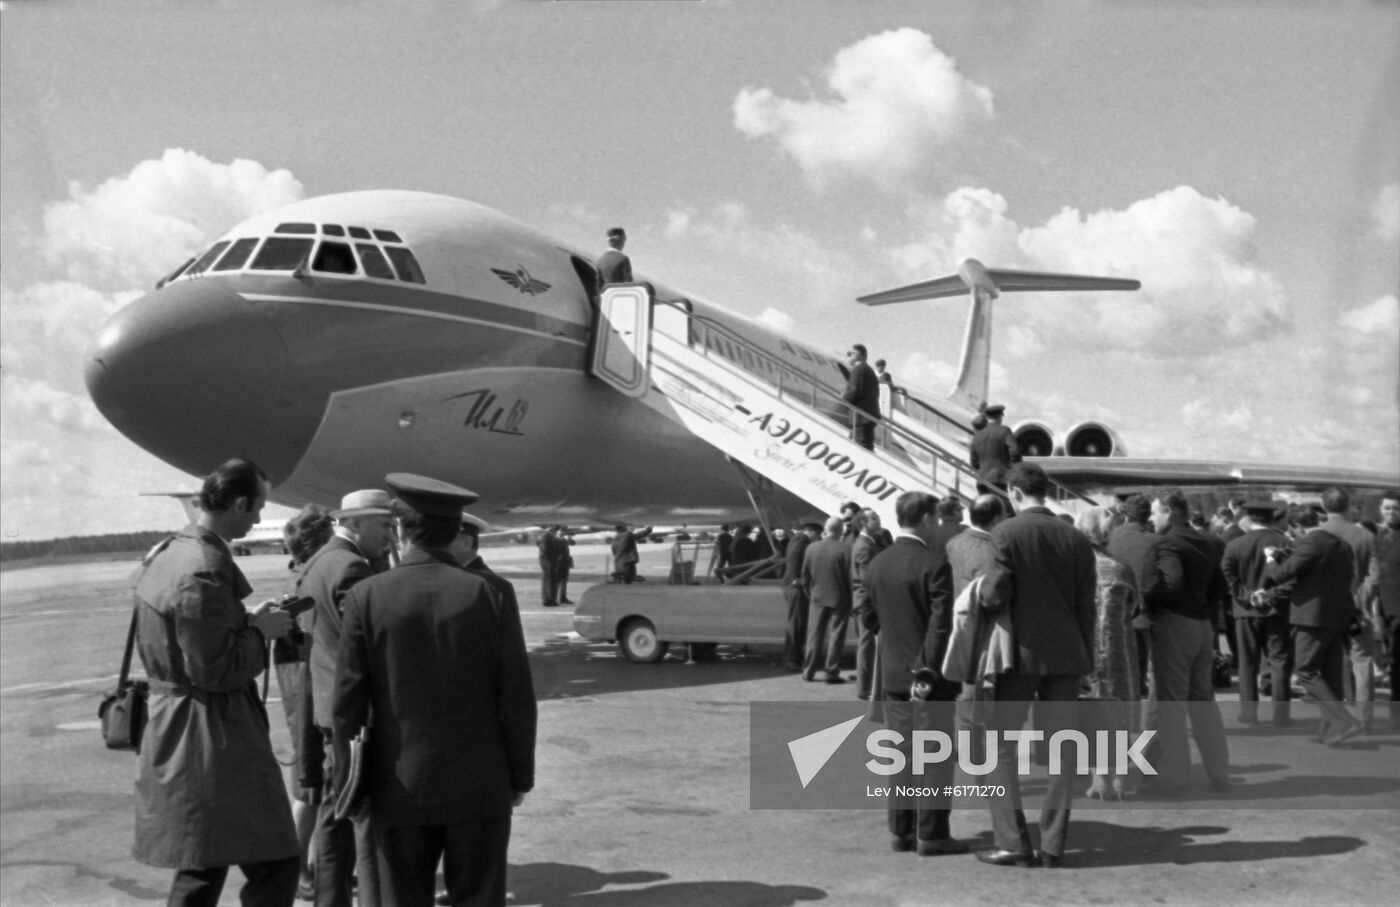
(353, 795)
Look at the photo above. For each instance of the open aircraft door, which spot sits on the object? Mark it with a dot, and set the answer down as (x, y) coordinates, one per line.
(623, 349)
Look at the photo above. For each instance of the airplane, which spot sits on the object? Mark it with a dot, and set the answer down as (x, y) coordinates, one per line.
(266, 535)
(342, 337)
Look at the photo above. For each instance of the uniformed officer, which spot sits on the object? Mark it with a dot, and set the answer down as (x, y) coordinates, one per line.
(993, 450)
(432, 653)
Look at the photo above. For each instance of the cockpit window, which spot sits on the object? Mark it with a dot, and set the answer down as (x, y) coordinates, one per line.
(174, 274)
(405, 263)
(373, 260)
(204, 260)
(371, 256)
(236, 255)
(278, 254)
(334, 258)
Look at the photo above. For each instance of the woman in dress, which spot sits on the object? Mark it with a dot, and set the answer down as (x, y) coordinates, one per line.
(1114, 678)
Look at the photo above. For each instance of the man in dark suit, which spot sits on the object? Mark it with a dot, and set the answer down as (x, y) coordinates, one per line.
(552, 551)
(1259, 632)
(1189, 590)
(796, 595)
(724, 550)
(826, 575)
(970, 553)
(363, 534)
(1316, 580)
(1360, 678)
(993, 450)
(439, 657)
(950, 522)
(863, 394)
(868, 543)
(1382, 592)
(613, 266)
(910, 587)
(1044, 574)
(624, 552)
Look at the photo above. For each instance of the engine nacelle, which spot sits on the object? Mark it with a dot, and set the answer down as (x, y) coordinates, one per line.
(1035, 439)
(1093, 439)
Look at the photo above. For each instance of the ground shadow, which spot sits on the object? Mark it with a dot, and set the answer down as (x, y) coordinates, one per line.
(552, 884)
(1104, 844)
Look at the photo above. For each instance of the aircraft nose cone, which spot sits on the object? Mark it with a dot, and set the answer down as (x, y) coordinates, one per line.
(196, 374)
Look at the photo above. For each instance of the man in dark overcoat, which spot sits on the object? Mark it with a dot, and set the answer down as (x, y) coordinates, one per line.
(432, 652)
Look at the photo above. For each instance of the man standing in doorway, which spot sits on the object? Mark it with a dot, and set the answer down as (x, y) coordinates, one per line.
(614, 266)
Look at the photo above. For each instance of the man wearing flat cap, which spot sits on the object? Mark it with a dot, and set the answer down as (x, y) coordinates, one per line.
(363, 535)
(992, 451)
(433, 664)
(1259, 633)
(613, 266)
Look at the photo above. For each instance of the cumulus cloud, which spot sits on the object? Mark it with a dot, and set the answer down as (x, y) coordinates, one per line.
(789, 255)
(102, 247)
(778, 320)
(894, 104)
(132, 229)
(1202, 289)
(1385, 212)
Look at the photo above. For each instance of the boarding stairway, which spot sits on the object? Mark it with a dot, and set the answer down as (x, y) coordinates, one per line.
(771, 418)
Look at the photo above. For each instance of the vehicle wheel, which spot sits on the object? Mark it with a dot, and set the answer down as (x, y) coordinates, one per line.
(638, 642)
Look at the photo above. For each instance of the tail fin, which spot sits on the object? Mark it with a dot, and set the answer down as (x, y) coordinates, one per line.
(970, 388)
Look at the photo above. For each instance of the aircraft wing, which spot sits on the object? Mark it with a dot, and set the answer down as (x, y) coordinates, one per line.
(1103, 473)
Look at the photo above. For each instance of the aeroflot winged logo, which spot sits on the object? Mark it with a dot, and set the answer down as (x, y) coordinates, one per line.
(811, 753)
(522, 281)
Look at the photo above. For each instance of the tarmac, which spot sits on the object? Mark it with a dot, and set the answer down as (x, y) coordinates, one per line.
(643, 785)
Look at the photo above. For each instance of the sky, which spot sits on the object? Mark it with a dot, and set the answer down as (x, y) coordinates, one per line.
(777, 157)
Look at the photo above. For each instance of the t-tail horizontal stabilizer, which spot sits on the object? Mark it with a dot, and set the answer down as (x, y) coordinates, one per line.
(972, 274)
(985, 284)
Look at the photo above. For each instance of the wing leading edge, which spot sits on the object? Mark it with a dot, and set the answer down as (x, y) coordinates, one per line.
(1100, 473)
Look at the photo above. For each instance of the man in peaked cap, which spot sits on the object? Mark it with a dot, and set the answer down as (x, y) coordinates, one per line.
(363, 534)
(426, 640)
(992, 451)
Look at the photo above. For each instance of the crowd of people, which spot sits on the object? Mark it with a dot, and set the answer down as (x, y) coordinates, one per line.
(990, 606)
(1132, 607)
(409, 687)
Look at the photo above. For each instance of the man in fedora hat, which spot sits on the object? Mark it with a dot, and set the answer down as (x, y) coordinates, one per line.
(363, 535)
(433, 658)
